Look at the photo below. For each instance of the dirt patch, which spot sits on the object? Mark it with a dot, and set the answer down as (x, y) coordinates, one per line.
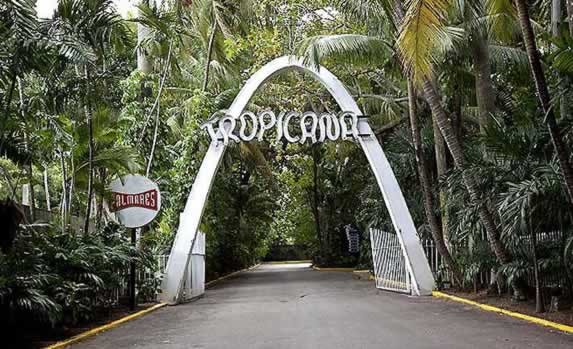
(528, 307)
(40, 338)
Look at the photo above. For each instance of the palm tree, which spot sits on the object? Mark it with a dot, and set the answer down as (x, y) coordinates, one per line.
(436, 229)
(542, 90)
(421, 33)
(86, 30)
(213, 17)
(356, 49)
(23, 51)
(424, 31)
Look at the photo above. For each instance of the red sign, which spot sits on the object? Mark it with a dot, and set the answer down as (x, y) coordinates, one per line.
(147, 199)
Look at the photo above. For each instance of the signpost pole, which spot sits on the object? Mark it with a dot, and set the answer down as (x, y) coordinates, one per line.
(135, 202)
(132, 300)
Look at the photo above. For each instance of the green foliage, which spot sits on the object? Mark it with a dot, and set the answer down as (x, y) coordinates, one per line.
(55, 72)
(59, 278)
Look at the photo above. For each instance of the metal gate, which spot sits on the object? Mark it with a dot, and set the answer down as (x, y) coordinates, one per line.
(390, 270)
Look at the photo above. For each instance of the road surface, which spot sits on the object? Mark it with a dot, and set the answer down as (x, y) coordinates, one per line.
(293, 306)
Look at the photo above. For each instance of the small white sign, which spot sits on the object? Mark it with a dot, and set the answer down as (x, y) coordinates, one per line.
(135, 200)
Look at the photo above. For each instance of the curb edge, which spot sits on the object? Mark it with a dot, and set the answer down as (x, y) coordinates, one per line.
(97, 330)
(490, 308)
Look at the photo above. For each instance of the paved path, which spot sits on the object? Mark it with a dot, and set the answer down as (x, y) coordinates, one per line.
(292, 306)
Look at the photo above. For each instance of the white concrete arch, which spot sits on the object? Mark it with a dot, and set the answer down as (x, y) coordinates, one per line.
(421, 275)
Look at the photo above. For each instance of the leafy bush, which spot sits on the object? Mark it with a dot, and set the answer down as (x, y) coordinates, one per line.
(59, 278)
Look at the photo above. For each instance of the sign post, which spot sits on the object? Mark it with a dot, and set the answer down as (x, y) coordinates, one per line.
(132, 275)
(135, 201)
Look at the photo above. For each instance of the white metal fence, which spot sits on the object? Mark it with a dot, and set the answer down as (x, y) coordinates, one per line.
(390, 270)
(434, 259)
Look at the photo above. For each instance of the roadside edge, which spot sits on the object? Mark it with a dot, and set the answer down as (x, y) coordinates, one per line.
(332, 269)
(490, 308)
(94, 331)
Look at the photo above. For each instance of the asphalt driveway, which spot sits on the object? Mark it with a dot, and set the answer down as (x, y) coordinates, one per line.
(293, 306)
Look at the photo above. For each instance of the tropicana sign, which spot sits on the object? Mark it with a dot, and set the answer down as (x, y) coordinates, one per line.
(292, 126)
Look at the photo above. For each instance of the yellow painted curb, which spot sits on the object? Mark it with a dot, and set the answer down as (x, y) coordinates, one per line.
(213, 282)
(100, 329)
(332, 269)
(289, 262)
(528, 318)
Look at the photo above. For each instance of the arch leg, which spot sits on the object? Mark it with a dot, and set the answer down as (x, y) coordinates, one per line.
(189, 225)
(416, 261)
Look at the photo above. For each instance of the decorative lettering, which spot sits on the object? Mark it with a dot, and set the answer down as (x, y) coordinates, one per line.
(311, 127)
(121, 201)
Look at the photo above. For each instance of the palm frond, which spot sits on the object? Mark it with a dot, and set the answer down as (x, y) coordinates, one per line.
(368, 10)
(348, 48)
(562, 58)
(423, 34)
(501, 56)
(501, 17)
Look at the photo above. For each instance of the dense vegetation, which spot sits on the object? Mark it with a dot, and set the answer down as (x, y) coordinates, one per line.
(470, 100)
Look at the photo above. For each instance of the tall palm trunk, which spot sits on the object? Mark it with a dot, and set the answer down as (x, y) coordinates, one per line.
(435, 227)
(451, 137)
(47, 189)
(539, 304)
(569, 7)
(64, 202)
(533, 56)
(442, 167)
(484, 87)
(455, 147)
(143, 33)
(157, 104)
(90, 153)
(209, 54)
(71, 188)
(563, 79)
(316, 200)
(29, 163)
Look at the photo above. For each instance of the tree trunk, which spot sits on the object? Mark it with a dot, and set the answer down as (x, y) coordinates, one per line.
(99, 201)
(143, 63)
(569, 6)
(543, 95)
(64, 204)
(484, 87)
(316, 199)
(47, 190)
(209, 54)
(90, 153)
(71, 188)
(9, 95)
(539, 305)
(556, 16)
(424, 177)
(442, 168)
(29, 161)
(455, 147)
(158, 114)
